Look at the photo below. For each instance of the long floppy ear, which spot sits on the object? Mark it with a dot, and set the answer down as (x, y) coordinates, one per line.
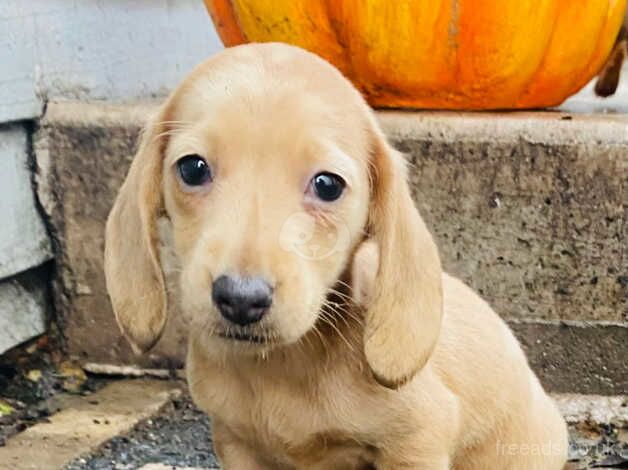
(404, 310)
(132, 269)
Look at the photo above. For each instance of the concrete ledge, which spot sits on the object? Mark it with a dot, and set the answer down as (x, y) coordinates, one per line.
(539, 127)
(594, 410)
(570, 356)
(528, 208)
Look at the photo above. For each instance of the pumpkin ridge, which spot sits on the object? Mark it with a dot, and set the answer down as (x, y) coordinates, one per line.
(526, 91)
(348, 69)
(227, 23)
(453, 35)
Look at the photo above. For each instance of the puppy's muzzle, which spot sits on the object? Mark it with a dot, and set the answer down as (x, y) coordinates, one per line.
(242, 300)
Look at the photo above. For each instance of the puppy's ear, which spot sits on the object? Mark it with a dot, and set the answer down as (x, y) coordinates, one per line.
(133, 273)
(404, 309)
(363, 271)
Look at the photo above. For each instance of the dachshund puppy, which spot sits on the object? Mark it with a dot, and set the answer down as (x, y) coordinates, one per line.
(323, 332)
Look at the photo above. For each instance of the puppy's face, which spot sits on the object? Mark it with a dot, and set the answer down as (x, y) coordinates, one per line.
(266, 185)
(272, 169)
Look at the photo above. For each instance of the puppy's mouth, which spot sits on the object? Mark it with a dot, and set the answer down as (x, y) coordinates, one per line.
(244, 337)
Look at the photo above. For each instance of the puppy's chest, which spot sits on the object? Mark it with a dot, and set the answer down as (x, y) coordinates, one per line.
(312, 428)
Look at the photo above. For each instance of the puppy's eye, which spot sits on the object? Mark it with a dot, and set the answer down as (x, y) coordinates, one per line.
(328, 186)
(194, 170)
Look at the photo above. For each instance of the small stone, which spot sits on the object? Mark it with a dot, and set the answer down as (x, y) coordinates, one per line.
(34, 375)
(74, 376)
(5, 408)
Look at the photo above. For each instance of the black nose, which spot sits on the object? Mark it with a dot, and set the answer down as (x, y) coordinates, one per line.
(242, 300)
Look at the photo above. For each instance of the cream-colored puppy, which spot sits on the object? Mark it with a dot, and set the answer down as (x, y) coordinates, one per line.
(324, 333)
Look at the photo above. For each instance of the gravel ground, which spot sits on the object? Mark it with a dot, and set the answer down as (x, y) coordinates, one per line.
(178, 436)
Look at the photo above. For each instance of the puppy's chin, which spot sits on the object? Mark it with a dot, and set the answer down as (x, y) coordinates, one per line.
(222, 346)
(223, 339)
(220, 337)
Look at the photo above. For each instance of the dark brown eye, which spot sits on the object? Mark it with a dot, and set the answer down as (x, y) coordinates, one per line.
(194, 170)
(327, 186)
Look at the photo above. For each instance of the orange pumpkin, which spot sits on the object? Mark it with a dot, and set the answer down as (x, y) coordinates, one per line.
(447, 54)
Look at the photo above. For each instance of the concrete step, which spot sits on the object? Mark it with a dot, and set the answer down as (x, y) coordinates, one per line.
(528, 208)
(86, 422)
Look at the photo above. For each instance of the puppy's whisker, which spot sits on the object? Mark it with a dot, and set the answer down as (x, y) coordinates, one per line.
(344, 320)
(339, 288)
(324, 317)
(348, 303)
(342, 313)
(345, 313)
(322, 339)
(342, 295)
(345, 284)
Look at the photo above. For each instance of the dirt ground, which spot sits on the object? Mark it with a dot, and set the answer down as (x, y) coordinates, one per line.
(32, 378)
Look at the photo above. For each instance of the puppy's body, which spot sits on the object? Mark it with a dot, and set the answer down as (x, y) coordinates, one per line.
(475, 405)
(323, 331)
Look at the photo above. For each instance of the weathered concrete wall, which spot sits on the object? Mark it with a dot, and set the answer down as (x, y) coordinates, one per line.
(528, 209)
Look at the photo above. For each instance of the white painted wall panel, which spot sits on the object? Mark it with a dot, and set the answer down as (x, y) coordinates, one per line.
(22, 311)
(18, 98)
(97, 49)
(23, 239)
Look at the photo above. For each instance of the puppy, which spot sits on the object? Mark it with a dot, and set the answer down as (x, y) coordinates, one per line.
(323, 332)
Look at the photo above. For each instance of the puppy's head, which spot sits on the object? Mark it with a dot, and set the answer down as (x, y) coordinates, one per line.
(276, 180)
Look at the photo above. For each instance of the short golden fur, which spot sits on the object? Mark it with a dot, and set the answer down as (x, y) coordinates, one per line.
(372, 356)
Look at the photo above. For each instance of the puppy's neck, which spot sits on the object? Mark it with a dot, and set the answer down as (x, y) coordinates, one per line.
(334, 341)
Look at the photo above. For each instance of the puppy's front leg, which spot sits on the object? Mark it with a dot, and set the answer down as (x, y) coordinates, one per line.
(232, 452)
(432, 462)
(416, 452)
